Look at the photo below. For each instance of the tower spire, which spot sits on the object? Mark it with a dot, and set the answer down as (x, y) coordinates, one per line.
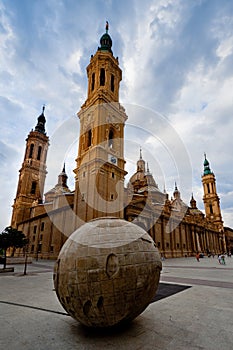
(62, 177)
(176, 193)
(193, 203)
(40, 127)
(206, 166)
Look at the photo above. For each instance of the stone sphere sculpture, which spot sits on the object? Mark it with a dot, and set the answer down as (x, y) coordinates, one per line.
(107, 272)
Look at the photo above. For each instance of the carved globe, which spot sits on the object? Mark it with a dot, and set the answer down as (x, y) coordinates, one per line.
(107, 272)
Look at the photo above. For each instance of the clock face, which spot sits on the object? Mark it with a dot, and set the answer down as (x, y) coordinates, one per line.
(112, 159)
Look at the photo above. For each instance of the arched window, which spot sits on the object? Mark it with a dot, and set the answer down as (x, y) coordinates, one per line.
(31, 150)
(110, 138)
(89, 138)
(102, 77)
(112, 83)
(211, 209)
(92, 81)
(39, 152)
(33, 188)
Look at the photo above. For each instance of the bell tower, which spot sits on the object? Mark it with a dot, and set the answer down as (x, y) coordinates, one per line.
(32, 173)
(210, 198)
(99, 173)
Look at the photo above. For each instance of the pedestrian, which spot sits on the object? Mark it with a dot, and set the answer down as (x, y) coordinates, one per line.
(198, 257)
(223, 259)
(219, 259)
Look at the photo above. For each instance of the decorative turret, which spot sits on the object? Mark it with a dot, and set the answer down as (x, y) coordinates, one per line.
(60, 188)
(193, 203)
(176, 192)
(62, 178)
(141, 163)
(143, 183)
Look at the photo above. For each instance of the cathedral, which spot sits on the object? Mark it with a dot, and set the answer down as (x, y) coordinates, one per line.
(47, 219)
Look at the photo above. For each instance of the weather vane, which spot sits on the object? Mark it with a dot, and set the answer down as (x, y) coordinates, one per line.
(107, 26)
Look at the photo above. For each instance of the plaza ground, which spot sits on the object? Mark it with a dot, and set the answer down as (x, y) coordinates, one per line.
(199, 317)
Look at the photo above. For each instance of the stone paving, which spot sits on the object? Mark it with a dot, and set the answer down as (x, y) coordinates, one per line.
(199, 317)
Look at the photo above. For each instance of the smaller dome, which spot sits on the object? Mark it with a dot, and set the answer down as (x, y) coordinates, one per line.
(106, 43)
(207, 170)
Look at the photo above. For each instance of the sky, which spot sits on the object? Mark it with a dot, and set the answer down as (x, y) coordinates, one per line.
(176, 58)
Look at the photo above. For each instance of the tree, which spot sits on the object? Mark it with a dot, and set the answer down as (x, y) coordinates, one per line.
(11, 237)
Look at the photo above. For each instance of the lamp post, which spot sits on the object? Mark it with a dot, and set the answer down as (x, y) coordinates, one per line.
(26, 260)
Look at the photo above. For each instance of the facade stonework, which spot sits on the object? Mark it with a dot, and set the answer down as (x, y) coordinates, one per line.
(48, 219)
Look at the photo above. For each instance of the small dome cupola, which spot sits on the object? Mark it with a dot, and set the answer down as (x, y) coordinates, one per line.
(206, 166)
(62, 177)
(193, 203)
(106, 41)
(141, 163)
(176, 193)
(40, 127)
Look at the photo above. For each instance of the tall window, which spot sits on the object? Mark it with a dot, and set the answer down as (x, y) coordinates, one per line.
(211, 209)
(39, 153)
(92, 81)
(31, 150)
(102, 77)
(208, 188)
(89, 138)
(112, 83)
(42, 226)
(110, 138)
(33, 188)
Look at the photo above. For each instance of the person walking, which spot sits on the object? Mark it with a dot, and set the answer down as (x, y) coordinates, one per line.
(223, 259)
(198, 257)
